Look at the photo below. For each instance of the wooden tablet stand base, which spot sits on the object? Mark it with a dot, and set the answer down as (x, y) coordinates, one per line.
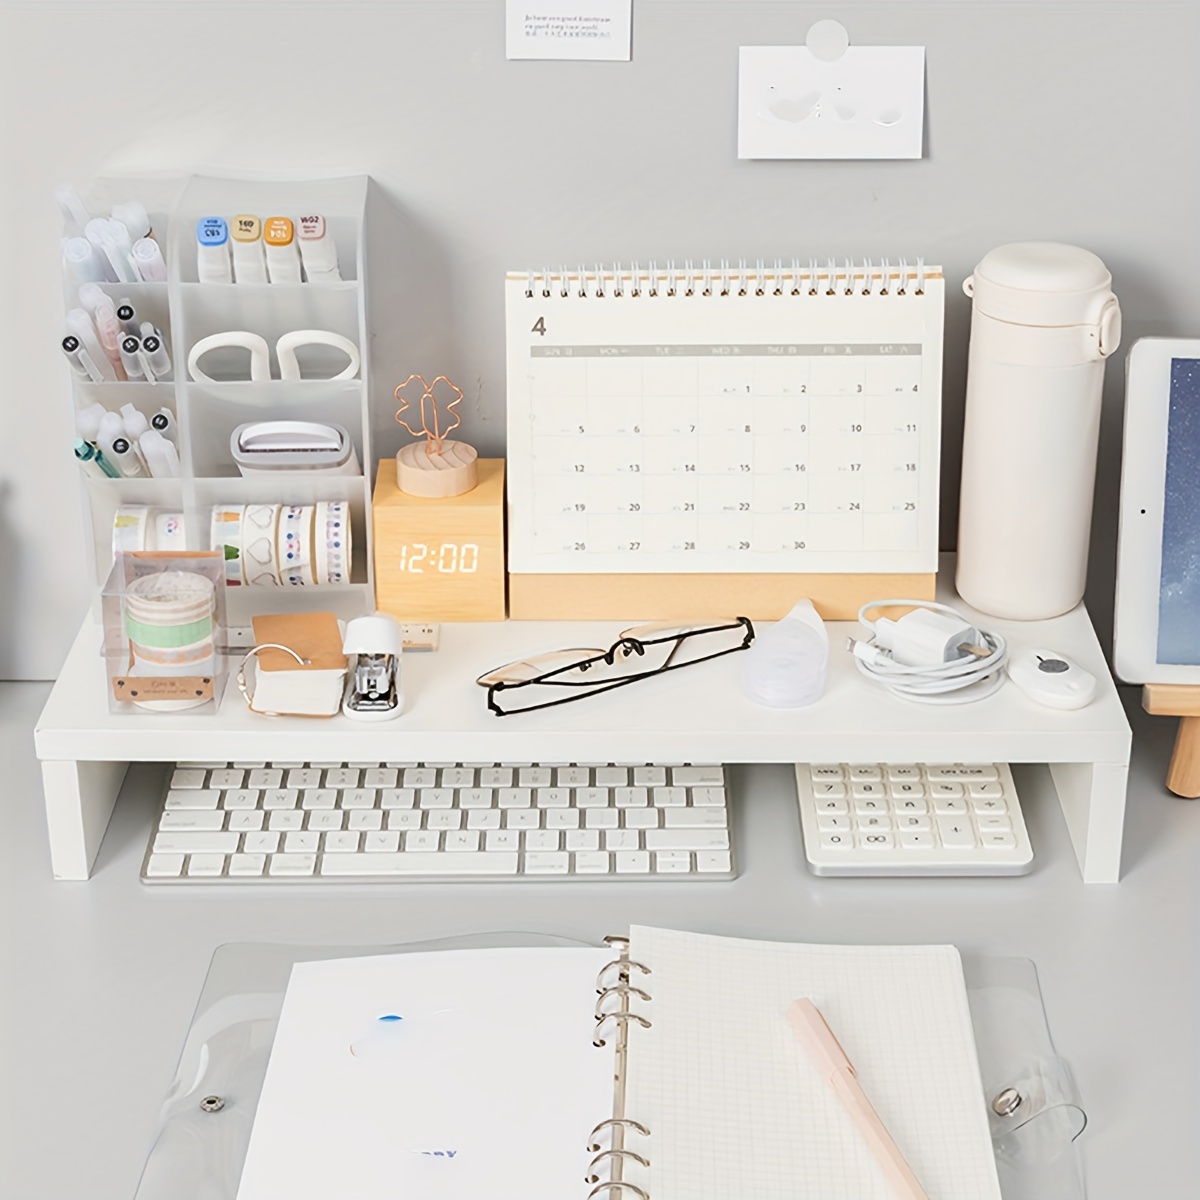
(1182, 701)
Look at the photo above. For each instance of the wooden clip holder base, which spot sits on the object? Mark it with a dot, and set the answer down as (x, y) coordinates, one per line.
(1182, 701)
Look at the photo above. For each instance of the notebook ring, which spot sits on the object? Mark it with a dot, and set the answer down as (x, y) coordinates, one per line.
(592, 1177)
(625, 965)
(621, 1018)
(609, 1184)
(616, 1123)
(619, 989)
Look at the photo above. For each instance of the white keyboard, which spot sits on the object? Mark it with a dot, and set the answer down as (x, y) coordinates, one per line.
(912, 819)
(271, 822)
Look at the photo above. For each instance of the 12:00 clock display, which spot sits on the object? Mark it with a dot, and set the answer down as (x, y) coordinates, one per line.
(448, 558)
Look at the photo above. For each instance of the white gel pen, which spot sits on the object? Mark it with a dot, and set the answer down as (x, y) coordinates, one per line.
(80, 324)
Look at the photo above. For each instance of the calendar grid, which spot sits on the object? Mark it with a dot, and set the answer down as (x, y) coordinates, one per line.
(719, 451)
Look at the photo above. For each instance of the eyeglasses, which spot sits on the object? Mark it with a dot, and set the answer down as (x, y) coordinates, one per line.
(544, 680)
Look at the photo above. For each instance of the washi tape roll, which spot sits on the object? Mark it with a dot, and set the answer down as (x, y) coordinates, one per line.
(331, 534)
(295, 545)
(226, 537)
(129, 528)
(260, 564)
(167, 532)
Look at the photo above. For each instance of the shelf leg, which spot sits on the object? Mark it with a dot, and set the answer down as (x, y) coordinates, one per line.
(79, 801)
(1183, 775)
(1092, 796)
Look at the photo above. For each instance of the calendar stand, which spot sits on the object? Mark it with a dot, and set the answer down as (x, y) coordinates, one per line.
(1179, 700)
(760, 597)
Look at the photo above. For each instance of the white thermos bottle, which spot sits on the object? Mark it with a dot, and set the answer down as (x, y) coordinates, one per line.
(1043, 322)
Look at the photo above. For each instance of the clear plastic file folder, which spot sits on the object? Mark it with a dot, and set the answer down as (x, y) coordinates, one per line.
(204, 1127)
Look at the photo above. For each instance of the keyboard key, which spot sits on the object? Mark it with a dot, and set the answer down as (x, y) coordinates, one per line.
(522, 818)
(552, 797)
(502, 839)
(951, 771)
(495, 777)
(870, 804)
(865, 774)
(301, 842)
(286, 819)
(188, 777)
(435, 797)
(312, 798)
(193, 819)
(547, 862)
(377, 842)
(826, 773)
(612, 777)
(201, 798)
(363, 797)
(531, 777)
(476, 797)
(462, 840)
(686, 839)
(649, 776)
(946, 791)
(922, 823)
(993, 824)
(299, 864)
(824, 789)
(364, 819)
(673, 862)
(873, 823)
(905, 771)
(420, 777)
(641, 818)
(280, 798)
(858, 790)
(984, 790)
(518, 797)
(696, 776)
(242, 798)
(206, 864)
(904, 789)
(916, 840)
(542, 839)
(877, 839)
(562, 818)
(997, 841)
(326, 819)
(260, 843)
(404, 818)
(227, 778)
(458, 777)
(251, 865)
(694, 818)
(380, 777)
(708, 797)
(602, 818)
(569, 777)
(837, 841)
(949, 807)
(487, 818)
(710, 862)
(632, 862)
(909, 805)
(164, 866)
(442, 863)
(592, 862)
(591, 797)
(668, 797)
(404, 797)
(829, 824)
(582, 839)
(622, 839)
(304, 777)
(195, 842)
(422, 841)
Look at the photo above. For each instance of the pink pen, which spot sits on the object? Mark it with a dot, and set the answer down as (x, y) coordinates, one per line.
(837, 1070)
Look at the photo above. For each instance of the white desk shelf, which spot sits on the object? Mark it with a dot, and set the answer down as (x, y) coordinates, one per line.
(697, 713)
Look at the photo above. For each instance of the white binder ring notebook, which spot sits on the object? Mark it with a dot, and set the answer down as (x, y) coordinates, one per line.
(744, 427)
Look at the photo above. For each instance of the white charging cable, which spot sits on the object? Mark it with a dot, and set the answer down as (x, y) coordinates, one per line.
(932, 654)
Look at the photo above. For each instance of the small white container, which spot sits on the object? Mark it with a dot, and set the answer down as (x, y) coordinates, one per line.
(1043, 323)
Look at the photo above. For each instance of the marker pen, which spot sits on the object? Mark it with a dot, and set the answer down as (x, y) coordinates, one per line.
(84, 261)
(133, 359)
(160, 455)
(107, 326)
(74, 211)
(81, 361)
(148, 261)
(127, 315)
(318, 251)
(164, 422)
(283, 259)
(111, 239)
(133, 216)
(87, 421)
(249, 263)
(80, 324)
(133, 421)
(155, 353)
(93, 461)
(212, 251)
(120, 451)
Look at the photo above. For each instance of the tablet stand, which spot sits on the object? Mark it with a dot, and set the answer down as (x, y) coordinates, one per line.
(1179, 700)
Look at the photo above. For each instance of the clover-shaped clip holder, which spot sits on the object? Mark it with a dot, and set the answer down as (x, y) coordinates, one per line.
(438, 466)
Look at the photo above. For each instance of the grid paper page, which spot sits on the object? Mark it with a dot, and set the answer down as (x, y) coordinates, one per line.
(742, 432)
(454, 1074)
(735, 1108)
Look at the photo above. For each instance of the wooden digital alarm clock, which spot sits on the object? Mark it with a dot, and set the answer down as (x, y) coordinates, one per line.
(440, 559)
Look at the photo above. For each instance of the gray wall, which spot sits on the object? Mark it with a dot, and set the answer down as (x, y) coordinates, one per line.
(1053, 120)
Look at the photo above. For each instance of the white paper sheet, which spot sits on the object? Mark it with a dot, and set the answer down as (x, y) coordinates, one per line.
(453, 1075)
(869, 103)
(569, 29)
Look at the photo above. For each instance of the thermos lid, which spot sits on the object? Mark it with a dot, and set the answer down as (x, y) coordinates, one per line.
(1045, 284)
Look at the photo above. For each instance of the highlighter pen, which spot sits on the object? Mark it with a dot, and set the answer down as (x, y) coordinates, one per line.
(156, 356)
(164, 422)
(212, 251)
(283, 259)
(318, 251)
(147, 259)
(92, 460)
(249, 263)
(127, 315)
(80, 360)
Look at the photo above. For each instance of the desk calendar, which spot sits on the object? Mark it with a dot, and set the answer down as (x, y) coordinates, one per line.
(771, 423)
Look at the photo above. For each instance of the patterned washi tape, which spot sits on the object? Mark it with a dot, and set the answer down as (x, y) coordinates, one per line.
(295, 545)
(226, 537)
(260, 524)
(333, 545)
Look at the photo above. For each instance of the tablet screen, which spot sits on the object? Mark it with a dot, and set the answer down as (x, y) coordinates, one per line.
(1179, 584)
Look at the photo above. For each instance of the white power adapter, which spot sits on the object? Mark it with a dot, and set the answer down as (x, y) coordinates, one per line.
(924, 638)
(931, 654)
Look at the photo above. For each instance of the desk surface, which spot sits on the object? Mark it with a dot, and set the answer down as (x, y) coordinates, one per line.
(100, 978)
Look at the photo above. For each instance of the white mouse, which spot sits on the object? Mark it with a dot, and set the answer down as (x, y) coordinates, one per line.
(1051, 678)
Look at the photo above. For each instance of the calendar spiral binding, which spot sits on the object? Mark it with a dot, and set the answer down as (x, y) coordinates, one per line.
(777, 278)
(615, 992)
